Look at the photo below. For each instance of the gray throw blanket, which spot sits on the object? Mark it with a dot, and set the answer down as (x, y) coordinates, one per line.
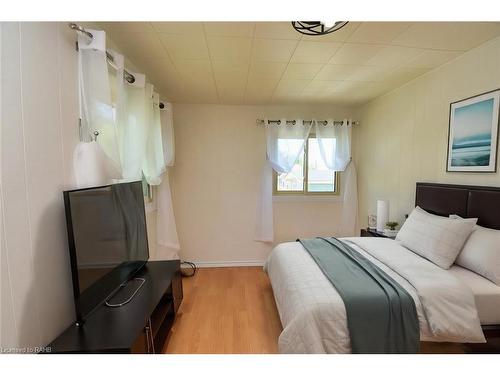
(381, 315)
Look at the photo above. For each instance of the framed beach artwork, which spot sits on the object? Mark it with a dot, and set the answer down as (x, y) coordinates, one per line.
(473, 133)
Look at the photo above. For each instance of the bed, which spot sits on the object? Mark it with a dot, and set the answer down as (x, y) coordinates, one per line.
(458, 309)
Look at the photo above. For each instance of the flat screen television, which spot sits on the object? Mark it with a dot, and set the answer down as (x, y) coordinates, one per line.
(108, 241)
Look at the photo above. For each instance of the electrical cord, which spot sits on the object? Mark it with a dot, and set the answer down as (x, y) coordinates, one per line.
(188, 272)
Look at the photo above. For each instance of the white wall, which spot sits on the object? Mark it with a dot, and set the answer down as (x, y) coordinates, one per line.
(220, 152)
(39, 129)
(403, 135)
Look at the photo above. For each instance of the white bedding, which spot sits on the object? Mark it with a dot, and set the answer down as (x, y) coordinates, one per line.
(313, 314)
(486, 294)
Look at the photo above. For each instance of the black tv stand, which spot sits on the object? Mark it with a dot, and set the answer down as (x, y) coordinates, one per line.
(110, 301)
(140, 326)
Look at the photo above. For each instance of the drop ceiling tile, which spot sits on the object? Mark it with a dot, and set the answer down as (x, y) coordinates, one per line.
(228, 71)
(318, 87)
(378, 32)
(432, 58)
(197, 96)
(133, 45)
(230, 86)
(312, 97)
(194, 70)
(402, 75)
(267, 70)
(233, 98)
(127, 27)
(314, 52)
(237, 72)
(258, 99)
(394, 56)
(184, 28)
(229, 48)
(302, 71)
(273, 50)
(231, 93)
(196, 91)
(460, 36)
(255, 86)
(336, 72)
(294, 85)
(185, 46)
(337, 36)
(229, 90)
(351, 53)
(241, 29)
(276, 30)
(346, 86)
(259, 91)
(336, 97)
(282, 97)
(289, 90)
(158, 70)
(367, 73)
(170, 88)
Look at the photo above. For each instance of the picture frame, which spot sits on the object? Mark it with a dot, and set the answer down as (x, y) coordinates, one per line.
(473, 133)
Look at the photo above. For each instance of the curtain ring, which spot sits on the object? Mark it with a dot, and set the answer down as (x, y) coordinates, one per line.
(293, 122)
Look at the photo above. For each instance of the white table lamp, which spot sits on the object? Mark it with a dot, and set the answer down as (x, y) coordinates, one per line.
(382, 214)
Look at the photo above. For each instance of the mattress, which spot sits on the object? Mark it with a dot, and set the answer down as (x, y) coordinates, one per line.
(486, 294)
(313, 315)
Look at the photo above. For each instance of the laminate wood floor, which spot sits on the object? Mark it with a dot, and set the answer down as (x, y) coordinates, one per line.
(232, 310)
(226, 310)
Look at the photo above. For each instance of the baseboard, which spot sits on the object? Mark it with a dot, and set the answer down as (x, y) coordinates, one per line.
(229, 263)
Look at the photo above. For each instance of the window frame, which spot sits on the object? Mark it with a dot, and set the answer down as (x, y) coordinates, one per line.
(304, 191)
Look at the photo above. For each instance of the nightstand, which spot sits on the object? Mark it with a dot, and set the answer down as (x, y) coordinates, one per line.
(367, 232)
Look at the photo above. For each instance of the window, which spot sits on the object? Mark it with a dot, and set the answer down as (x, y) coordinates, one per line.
(309, 175)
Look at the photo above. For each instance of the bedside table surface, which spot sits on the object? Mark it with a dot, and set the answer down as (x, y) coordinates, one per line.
(368, 232)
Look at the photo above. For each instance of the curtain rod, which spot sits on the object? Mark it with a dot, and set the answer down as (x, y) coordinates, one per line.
(306, 122)
(128, 76)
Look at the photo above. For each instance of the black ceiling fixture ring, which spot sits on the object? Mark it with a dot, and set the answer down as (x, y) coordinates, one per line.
(317, 27)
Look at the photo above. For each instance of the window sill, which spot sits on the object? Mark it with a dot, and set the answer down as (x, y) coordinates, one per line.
(307, 198)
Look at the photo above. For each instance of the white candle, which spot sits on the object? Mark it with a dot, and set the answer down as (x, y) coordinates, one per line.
(382, 214)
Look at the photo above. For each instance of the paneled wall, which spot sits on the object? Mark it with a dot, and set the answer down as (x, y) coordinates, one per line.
(220, 153)
(39, 131)
(39, 112)
(403, 135)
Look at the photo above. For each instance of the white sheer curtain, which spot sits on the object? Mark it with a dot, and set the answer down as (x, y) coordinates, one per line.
(133, 132)
(334, 143)
(133, 114)
(154, 161)
(167, 120)
(166, 231)
(335, 149)
(95, 163)
(146, 145)
(284, 144)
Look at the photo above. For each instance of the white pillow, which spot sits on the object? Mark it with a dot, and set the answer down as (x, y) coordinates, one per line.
(439, 239)
(481, 253)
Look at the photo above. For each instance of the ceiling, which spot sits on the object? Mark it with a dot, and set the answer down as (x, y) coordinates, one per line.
(269, 62)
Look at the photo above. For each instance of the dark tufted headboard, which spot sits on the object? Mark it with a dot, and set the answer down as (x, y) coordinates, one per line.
(482, 202)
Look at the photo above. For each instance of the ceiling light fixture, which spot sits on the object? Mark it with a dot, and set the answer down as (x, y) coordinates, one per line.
(318, 27)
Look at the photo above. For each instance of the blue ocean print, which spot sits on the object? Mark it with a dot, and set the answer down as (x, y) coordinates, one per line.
(471, 144)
